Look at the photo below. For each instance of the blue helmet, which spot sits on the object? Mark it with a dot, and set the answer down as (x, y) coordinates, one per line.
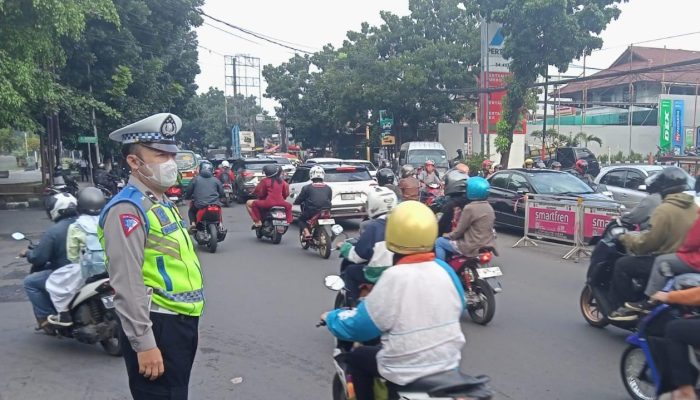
(478, 188)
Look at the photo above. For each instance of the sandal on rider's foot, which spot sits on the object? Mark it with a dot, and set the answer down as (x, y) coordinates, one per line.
(45, 326)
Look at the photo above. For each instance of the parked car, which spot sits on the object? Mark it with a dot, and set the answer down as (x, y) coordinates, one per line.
(509, 186)
(626, 182)
(287, 166)
(370, 167)
(350, 186)
(248, 173)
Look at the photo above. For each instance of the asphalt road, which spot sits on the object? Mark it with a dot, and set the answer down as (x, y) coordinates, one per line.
(258, 339)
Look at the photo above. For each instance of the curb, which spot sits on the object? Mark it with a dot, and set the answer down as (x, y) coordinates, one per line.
(20, 205)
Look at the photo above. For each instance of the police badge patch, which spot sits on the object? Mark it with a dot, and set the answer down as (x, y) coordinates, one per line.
(129, 223)
(169, 127)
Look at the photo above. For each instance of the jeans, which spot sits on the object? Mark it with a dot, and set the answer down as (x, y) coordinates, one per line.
(35, 287)
(673, 265)
(628, 268)
(443, 246)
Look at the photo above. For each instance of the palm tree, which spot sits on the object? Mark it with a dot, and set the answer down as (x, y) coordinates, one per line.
(583, 137)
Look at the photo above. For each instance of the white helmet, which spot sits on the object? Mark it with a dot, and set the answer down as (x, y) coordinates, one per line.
(225, 164)
(317, 172)
(61, 205)
(380, 200)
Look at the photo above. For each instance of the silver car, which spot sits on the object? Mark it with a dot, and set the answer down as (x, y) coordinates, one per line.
(626, 182)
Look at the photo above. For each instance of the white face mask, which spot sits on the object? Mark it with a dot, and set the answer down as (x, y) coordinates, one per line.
(163, 175)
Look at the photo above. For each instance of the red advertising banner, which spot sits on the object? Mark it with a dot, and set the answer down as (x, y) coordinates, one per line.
(595, 219)
(494, 110)
(552, 221)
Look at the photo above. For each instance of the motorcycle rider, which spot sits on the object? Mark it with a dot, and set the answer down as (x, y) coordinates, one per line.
(204, 190)
(556, 165)
(49, 255)
(105, 179)
(85, 253)
(386, 178)
(528, 164)
(455, 199)
(485, 171)
(422, 337)
(429, 175)
(475, 228)
(670, 223)
(224, 173)
(409, 184)
(313, 197)
(581, 171)
(642, 212)
(270, 192)
(370, 248)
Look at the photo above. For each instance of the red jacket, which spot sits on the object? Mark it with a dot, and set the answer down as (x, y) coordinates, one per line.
(272, 190)
(220, 172)
(689, 252)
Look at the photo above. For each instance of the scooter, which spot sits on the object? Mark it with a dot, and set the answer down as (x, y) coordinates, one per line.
(174, 193)
(274, 225)
(479, 279)
(450, 385)
(92, 311)
(209, 228)
(595, 300)
(228, 194)
(430, 193)
(323, 230)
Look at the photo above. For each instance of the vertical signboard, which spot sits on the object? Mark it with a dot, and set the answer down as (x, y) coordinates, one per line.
(665, 123)
(247, 140)
(678, 133)
(235, 142)
(493, 75)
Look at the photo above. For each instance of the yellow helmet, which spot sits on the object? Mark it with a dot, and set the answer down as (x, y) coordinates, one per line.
(529, 161)
(411, 228)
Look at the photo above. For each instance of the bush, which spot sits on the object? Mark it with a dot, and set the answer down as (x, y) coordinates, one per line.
(474, 163)
(635, 157)
(603, 158)
(619, 157)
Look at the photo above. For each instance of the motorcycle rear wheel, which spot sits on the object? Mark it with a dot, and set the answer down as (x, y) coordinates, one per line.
(304, 244)
(483, 314)
(213, 241)
(324, 244)
(276, 236)
(632, 364)
(590, 309)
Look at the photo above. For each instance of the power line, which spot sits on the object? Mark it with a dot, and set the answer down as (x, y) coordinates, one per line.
(211, 51)
(649, 41)
(257, 35)
(231, 33)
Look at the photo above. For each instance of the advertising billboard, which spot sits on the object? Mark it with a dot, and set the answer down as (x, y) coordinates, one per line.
(665, 121)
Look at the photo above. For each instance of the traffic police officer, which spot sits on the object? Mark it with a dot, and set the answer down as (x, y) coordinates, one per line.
(152, 264)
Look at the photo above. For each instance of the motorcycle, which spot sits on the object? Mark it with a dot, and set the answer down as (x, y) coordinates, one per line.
(323, 230)
(479, 280)
(430, 193)
(92, 311)
(639, 371)
(174, 193)
(228, 194)
(209, 228)
(274, 225)
(446, 385)
(595, 302)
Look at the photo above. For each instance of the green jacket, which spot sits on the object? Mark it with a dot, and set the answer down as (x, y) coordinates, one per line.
(669, 223)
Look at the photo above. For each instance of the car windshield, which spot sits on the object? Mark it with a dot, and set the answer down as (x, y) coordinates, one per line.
(419, 157)
(347, 175)
(365, 164)
(185, 160)
(257, 166)
(558, 183)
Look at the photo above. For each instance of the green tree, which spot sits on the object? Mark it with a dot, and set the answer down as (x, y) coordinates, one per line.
(582, 138)
(35, 34)
(8, 141)
(540, 33)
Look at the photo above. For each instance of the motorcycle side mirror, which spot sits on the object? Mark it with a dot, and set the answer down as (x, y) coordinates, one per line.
(18, 236)
(334, 282)
(337, 229)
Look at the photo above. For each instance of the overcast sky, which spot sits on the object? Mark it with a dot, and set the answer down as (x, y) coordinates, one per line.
(310, 24)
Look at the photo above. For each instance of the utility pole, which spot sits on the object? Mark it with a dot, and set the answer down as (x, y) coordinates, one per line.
(544, 120)
(631, 94)
(94, 122)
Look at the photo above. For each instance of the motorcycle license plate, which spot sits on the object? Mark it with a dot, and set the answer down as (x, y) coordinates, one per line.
(489, 272)
(329, 221)
(350, 196)
(173, 198)
(108, 302)
(279, 223)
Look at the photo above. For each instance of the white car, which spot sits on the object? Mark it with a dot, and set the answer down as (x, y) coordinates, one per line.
(350, 185)
(370, 167)
(323, 161)
(287, 166)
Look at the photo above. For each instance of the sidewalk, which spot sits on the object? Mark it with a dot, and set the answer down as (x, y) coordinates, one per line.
(22, 177)
(32, 222)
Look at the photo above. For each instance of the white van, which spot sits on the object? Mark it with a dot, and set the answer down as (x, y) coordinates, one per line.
(417, 153)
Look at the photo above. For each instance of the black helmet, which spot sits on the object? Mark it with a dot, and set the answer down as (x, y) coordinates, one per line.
(90, 201)
(456, 183)
(271, 170)
(206, 169)
(670, 180)
(385, 176)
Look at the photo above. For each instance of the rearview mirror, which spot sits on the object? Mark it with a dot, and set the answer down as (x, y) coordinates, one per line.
(334, 282)
(642, 188)
(18, 236)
